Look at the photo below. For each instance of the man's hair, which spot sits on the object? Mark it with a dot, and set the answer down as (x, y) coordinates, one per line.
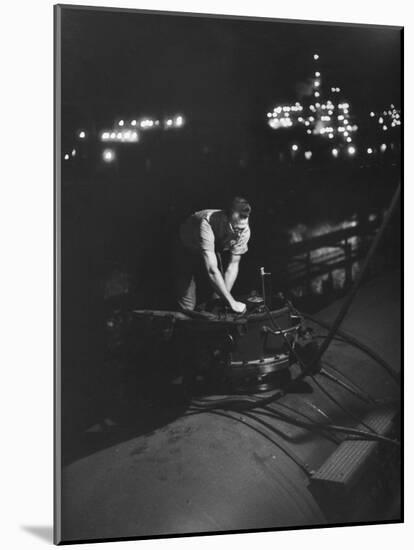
(241, 206)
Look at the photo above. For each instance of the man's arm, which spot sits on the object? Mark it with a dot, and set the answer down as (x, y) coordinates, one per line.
(232, 271)
(216, 278)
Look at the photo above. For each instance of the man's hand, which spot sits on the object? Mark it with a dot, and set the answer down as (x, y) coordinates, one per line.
(238, 307)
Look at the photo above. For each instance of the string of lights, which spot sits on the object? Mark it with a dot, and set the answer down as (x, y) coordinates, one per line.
(328, 116)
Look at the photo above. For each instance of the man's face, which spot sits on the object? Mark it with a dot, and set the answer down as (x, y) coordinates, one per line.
(238, 224)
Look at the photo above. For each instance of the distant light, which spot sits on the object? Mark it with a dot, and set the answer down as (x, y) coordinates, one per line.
(380, 120)
(73, 152)
(351, 150)
(169, 122)
(346, 134)
(317, 94)
(385, 127)
(113, 135)
(82, 134)
(108, 155)
(315, 56)
(331, 136)
(369, 151)
(269, 115)
(317, 83)
(133, 122)
(317, 74)
(349, 139)
(308, 131)
(295, 147)
(105, 136)
(335, 152)
(121, 123)
(392, 106)
(119, 135)
(66, 157)
(317, 104)
(341, 117)
(308, 155)
(372, 114)
(383, 148)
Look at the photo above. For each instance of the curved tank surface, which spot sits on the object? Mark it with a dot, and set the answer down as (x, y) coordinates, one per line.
(301, 457)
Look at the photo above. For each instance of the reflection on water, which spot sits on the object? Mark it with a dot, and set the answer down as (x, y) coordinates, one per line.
(320, 259)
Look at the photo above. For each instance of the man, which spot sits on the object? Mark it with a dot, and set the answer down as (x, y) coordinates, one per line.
(202, 238)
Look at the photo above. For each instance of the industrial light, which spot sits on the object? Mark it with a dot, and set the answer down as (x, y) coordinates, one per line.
(82, 134)
(372, 114)
(369, 151)
(66, 157)
(121, 123)
(308, 155)
(383, 148)
(317, 94)
(315, 56)
(73, 152)
(335, 152)
(295, 147)
(351, 150)
(105, 136)
(108, 155)
(133, 122)
(349, 139)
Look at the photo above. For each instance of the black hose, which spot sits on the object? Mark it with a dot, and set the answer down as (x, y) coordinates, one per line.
(358, 344)
(304, 368)
(313, 425)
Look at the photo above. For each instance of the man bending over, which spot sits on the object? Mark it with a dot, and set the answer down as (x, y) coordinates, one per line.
(202, 238)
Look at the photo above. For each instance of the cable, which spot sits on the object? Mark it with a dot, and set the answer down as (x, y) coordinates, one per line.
(358, 344)
(328, 427)
(304, 368)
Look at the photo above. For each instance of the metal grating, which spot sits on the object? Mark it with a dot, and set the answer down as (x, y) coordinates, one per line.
(345, 465)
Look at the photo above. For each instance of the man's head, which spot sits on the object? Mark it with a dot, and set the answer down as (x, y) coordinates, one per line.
(239, 212)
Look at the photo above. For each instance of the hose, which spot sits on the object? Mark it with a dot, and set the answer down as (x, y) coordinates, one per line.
(318, 384)
(358, 344)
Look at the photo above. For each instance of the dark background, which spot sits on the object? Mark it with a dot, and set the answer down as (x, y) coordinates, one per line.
(223, 75)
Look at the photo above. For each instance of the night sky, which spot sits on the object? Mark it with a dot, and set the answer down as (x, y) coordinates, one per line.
(120, 63)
